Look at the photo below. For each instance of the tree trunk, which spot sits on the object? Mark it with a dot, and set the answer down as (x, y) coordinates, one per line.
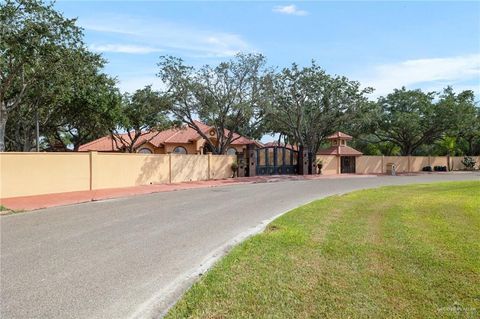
(3, 124)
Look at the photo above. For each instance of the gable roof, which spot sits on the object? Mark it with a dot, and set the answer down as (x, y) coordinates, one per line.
(182, 135)
(339, 134)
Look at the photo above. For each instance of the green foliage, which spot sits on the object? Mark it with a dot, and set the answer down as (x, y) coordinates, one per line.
(143, 112)
(227, 96)
(411, 118)
(34, 38)
(307, 104)
(469, 162)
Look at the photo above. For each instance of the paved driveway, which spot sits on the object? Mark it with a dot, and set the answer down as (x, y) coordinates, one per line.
(132, 257)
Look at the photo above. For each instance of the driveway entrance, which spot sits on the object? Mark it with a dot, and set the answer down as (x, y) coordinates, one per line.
(274, 160)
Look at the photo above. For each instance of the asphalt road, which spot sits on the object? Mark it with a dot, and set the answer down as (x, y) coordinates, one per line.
(132, 257)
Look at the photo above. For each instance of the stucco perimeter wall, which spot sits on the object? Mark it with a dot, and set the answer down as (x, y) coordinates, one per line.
(112, 170)
(186, 168)
(330, 164)
(368, 165)
(221, 166)
(25, 174)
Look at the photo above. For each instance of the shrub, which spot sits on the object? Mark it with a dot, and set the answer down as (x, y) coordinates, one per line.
(427, 168)
(469, 162)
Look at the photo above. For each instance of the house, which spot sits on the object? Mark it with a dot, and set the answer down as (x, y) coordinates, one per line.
(345, 155)
(183, 140)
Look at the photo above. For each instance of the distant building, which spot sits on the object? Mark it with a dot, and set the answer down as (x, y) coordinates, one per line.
(184, 140)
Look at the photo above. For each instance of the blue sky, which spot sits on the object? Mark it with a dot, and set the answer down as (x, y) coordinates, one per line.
(425, 45)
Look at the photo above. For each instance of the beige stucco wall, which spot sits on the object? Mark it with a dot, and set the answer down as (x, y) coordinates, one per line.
(23, 174)
(368, 165)
(401, 163)
(187, 168)
(329, 164)
(111, 170)
(417, 163)
(438, 161)
(220, 166)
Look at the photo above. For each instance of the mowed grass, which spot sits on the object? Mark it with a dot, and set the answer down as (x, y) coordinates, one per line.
(393, 252)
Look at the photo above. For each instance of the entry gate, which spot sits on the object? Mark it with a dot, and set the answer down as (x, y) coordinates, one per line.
(274, 160)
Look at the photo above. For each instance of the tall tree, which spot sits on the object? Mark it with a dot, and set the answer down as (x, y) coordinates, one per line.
(308, 104)
(32, 38)
(143, 116)
(411, 118)
(228, 97)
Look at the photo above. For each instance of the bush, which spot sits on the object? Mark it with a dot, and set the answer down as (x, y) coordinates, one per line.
(469, 162)
(427, 168)
(440, 168)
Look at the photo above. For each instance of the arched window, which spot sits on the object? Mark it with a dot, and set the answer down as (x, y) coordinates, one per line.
(145, 150)
(180, 150)
(231, 151)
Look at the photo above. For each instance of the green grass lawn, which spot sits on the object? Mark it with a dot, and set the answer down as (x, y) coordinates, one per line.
(393, 252)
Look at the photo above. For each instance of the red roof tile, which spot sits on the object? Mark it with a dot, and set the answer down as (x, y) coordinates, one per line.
(171, 136)
(339, 135)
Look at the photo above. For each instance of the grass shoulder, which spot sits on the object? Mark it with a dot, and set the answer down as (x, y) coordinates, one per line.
(399, 251)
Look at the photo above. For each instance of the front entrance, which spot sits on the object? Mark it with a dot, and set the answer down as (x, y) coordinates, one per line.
(276, 161)
(347, 164)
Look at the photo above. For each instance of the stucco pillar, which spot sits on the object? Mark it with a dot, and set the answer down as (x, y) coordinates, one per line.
(302, 161)
(169, 168)
(409, 166)
(93, 164)
(383, 164)
(241, 164)
(339, 165)
(252, 161)
(209, 165)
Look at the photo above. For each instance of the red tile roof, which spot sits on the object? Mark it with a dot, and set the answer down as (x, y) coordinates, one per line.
(183, 135)
(340, 151)
(337, 135)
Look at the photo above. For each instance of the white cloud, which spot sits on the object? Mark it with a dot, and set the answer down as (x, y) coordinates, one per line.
(123, 48)
(425, 74)
(290, 9)
(166, 36)
(138, 81)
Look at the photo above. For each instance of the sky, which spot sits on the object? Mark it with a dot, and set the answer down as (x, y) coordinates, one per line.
(386, 45)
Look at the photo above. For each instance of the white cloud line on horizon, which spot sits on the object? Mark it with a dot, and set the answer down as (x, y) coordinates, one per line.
(290, 10)
(425, 73)
(123, 48)
(168, 36)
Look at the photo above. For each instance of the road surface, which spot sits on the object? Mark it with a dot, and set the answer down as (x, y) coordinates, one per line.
(132, 257)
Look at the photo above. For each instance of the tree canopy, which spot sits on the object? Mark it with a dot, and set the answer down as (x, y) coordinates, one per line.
(307, 104)
(229, 97)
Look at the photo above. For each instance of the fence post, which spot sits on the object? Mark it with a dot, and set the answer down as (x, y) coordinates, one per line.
(169, 168)
(93, 157)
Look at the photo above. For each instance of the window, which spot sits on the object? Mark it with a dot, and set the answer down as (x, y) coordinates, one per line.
(231, 151)
(180, 150)
(145, 151)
